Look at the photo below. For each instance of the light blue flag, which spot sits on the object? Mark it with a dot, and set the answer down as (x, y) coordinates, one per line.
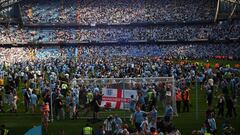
(35, 131)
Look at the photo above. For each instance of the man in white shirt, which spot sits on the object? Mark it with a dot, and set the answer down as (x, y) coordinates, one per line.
(108, 125)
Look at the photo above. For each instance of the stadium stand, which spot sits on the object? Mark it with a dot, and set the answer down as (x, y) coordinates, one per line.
(64, 53)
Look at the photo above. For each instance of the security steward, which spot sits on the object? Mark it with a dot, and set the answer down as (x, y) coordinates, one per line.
(186, 99)
(178, 100)
(89, 97)
(87, 130)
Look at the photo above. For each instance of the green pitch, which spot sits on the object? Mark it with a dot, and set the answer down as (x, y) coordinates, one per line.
(186, 122)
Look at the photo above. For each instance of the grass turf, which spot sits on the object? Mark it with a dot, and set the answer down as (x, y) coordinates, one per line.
(186, 122)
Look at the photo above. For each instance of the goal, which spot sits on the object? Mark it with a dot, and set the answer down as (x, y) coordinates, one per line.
(117, 91)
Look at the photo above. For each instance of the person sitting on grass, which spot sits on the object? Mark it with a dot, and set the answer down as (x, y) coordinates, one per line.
(211, 124)
(124, 130)
(227, 129)
(202, 131)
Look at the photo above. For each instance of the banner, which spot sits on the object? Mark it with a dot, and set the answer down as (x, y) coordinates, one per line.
(117, 98)
(34, 131)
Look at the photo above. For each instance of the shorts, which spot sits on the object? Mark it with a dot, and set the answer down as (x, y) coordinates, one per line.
(45, 118)
(14, 105)
(137, 126)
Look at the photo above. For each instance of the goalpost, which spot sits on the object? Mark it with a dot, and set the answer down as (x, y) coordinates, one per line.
(110, 87)
(117, 92)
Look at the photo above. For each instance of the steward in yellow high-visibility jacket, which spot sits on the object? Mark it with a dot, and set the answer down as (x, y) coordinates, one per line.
(89, 97)
(87, 130)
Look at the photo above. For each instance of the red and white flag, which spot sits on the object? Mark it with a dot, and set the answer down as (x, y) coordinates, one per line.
(117, 98)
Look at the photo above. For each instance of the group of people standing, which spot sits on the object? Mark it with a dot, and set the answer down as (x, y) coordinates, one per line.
(62, 80)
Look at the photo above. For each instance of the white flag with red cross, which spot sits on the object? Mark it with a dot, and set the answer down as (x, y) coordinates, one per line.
(117, 98)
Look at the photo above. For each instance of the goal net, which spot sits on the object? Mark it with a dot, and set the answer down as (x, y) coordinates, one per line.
(116, 92)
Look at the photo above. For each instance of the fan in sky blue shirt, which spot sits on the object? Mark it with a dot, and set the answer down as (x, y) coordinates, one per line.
(153, 113)
(212, 124)
(33, 98)
(169, 111)
(138, 116)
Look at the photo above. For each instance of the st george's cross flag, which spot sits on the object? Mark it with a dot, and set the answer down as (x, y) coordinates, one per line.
(117, 98)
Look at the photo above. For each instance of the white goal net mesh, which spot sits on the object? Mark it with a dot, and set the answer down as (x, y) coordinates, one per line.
(162, 87)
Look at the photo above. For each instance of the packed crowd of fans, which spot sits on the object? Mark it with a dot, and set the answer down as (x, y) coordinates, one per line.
(14, 55)
(175, 51)
(117, 12)
(220, 31)
(178, 51)
(59, 74)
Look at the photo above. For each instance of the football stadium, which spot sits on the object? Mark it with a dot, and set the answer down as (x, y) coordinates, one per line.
(119, 67)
